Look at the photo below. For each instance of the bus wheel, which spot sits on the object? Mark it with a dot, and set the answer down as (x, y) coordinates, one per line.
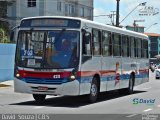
(39, 98)
(93, 90)
(128, 90)
(131, 85)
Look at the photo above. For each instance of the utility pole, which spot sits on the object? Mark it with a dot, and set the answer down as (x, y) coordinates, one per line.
(117, 14)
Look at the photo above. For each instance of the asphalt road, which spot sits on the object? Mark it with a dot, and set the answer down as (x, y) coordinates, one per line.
(110, 105)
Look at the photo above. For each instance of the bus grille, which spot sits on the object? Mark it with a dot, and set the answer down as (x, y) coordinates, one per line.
(45, 81)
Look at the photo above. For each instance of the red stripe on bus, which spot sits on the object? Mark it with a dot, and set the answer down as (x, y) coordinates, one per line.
(33, 74)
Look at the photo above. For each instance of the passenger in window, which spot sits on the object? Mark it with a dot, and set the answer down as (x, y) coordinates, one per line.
(61, 58)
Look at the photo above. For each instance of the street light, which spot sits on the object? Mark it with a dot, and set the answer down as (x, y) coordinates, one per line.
(141, 4)
(151, 26)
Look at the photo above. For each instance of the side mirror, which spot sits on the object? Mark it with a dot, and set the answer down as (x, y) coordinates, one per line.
(152, 68)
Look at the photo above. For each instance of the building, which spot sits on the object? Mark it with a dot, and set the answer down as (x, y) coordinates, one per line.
(135, 28)
(29, 8)
(154, 46)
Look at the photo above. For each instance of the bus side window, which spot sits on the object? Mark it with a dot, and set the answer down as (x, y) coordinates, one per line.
(106, 43)
(145, 48)
(139, 48)
(125, 46)
(132, 47)
(86, 44)
(135, 47)
(96, 42)
(117, 44)
(142, 49)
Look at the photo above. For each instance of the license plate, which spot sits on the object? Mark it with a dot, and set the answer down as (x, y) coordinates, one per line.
(42, 88)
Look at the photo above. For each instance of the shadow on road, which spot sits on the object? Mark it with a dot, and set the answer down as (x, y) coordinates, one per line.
(75, 101)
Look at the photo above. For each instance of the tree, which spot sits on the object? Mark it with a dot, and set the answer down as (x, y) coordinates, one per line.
(4, 25)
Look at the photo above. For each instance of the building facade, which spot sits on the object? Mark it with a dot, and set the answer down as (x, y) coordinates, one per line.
(154, 44)
(135, 28)
(29, 8)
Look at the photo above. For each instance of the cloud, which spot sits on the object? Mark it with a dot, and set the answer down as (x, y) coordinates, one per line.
(101, 19)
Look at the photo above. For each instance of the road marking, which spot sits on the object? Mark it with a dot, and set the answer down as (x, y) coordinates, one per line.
(38, 107)
(147, 110)
(131, 115)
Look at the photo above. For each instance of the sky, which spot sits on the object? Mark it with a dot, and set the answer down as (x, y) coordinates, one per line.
(104, 7)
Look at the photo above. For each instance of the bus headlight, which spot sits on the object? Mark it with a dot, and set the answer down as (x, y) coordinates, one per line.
(17, 75)
(72, 77)
(73, 74)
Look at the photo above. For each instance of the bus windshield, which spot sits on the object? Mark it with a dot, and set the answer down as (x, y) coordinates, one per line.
(56, 49)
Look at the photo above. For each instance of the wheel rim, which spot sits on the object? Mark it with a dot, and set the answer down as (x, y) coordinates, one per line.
(93, 90)
(131, 85)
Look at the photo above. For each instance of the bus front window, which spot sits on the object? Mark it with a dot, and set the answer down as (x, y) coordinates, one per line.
(48, 49)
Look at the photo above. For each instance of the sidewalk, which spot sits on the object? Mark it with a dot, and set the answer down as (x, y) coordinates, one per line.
(8, 83)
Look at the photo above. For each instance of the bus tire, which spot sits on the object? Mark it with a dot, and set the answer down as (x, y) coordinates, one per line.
(39, 98)
(131, 85)
(94, 91)
(128, 90)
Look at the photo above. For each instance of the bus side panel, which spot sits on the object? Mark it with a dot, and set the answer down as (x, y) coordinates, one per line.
(88, 69)
(111, 72)
(142, 74)
(128, 66)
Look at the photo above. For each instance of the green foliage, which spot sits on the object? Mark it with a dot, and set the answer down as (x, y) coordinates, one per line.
(4, 38)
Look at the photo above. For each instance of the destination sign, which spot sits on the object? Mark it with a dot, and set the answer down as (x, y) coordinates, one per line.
(50, 22)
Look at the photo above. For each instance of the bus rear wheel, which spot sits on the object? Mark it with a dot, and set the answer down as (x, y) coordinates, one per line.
(128, 90)
(39, 98)
(131, 85)
(94, 90)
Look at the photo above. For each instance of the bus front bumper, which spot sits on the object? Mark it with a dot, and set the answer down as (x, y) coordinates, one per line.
(69, 88)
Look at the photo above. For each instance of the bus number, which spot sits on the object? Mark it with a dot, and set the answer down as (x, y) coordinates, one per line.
(56, 76)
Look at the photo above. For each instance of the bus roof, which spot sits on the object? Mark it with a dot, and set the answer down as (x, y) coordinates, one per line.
(103, 26)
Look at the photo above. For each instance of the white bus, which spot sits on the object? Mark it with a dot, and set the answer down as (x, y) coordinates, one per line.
(72, 56)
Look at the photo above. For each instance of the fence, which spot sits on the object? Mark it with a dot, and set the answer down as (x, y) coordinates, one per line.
(7, 53)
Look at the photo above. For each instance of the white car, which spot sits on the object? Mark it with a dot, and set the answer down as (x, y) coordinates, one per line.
(157, 72)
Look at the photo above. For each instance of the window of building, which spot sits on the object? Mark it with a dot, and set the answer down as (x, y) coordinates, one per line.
(153, 53)
(71, 9)
(82, 11)
(59, 6)
(106, 43)
(117, 44)
(96, 42)
(31, 3)
(66, 9)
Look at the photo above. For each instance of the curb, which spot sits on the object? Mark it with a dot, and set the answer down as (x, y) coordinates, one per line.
(6, 84)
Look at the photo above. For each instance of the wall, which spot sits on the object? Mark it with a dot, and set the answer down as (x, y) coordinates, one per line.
(7, 52)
